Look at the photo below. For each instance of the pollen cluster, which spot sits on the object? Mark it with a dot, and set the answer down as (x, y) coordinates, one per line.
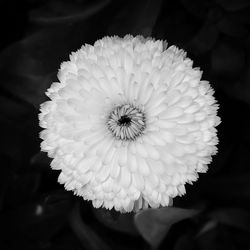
(126, 122)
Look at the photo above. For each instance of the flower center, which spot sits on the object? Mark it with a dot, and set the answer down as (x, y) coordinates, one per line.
(126, 122)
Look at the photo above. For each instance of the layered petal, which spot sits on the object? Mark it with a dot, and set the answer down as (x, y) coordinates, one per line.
(129, 123)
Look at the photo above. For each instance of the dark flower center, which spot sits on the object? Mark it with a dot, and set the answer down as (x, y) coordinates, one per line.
(126, 122)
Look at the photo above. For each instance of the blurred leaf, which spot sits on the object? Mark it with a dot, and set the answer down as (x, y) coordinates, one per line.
(15, 143)
(12, 109)
(232, 28)
(233, 5)
(66, 240)
(116, 220)
(64, 12)
(227, 60)
(235, 217)
(25, 77)
(88, 238)
(207, 226)
(185, 242)
(38, 220)
(196, 7)
(7, 173)
(22, 187)
(135, 17)
(212, 239)
(17, 127)
(242, 16)
(178, 27)
(204, 40)
(29, 66)
(154, 224)
(223, 237)
(213, 236)
(241, 89)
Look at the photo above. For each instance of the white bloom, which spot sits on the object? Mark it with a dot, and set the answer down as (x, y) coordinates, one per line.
(129, 123)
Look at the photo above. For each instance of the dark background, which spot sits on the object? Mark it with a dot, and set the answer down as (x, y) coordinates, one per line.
(35, 211)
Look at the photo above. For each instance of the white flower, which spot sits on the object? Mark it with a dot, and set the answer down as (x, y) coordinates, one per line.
(129, 123)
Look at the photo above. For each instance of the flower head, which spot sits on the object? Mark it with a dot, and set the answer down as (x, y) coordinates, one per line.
(129, 123)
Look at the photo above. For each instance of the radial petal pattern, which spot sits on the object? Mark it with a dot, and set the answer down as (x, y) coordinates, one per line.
(129, 123)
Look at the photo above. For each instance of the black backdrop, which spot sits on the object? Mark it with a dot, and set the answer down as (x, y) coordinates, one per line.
(36, 36)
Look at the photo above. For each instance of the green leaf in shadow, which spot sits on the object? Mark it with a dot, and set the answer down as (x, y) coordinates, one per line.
(233, 5)
(154, 224)
(235, 217)
(204, 40)
(37, 220)
(135, 17)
